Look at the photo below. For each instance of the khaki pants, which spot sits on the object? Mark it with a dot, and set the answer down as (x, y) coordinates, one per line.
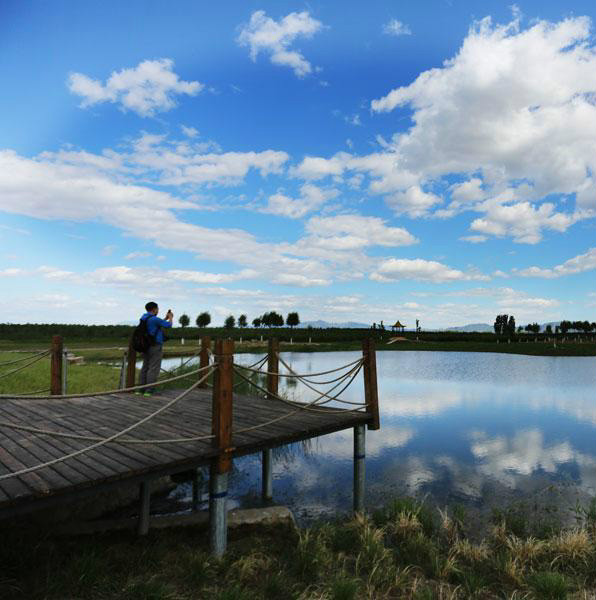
(151, 366)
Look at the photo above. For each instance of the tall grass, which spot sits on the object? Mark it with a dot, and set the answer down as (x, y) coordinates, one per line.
(409, 550)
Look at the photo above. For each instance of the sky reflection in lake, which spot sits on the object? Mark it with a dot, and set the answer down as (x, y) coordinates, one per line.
(476, 428)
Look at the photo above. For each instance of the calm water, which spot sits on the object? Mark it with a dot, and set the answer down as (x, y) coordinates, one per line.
(474, 428)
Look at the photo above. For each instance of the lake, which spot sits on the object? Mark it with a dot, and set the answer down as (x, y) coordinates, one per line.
(477, 429)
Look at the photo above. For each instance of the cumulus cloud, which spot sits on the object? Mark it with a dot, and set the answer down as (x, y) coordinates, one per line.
(413, 202)
(396, 28)
(311, 198)
(351, 232)
(577, 264)
(264, 34)
(395, 269)
(146, 89)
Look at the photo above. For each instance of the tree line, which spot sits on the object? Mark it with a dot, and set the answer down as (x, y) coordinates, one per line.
(505, 324)
(268, 319)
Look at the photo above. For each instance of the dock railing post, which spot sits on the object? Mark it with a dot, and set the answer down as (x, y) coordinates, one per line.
(123, 370)
(371, 394)
(64, 371)
(56, 358)
(221, 419)
(204, 356)
(131, 367)
(272, 388)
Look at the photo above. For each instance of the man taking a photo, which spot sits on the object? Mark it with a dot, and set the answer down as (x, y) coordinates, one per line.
(153, 355)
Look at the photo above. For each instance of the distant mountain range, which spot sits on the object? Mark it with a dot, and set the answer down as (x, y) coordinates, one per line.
(325, 325)
(479, 327)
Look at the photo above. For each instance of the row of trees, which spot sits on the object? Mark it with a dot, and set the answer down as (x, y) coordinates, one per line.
(268, 319)
(505, 324)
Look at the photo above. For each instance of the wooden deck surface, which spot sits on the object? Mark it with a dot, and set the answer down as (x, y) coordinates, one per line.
(104, 415)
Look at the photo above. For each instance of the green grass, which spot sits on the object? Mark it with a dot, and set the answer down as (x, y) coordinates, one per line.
(407, 551)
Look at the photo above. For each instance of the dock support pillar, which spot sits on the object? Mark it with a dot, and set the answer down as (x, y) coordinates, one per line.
(359, 468)
(222, 409)
(123, 370)
(267, 475)
(145, 500)
(218, 512)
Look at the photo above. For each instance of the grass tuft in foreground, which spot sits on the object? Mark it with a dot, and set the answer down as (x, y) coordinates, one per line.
(407, 550)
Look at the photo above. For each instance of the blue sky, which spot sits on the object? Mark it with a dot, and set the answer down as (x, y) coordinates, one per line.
(350, 161)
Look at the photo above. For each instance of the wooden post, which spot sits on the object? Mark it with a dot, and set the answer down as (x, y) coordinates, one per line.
(221, 421)
(131, 367)
(56, 357)
(145, 504)
(359, 466)
(204, 357)
(64, 371)
(273, 367)
(371, 395)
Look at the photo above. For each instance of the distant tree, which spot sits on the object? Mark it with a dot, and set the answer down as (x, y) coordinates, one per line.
(272, 319)
(256, 322)
(549, 329)
(511, 325)
(382, 326)
(230, 322)
(501, 323)
(242, 321)
(293, 319)
(520, 329)
(203, 319)
(184, 321)
(564, 326)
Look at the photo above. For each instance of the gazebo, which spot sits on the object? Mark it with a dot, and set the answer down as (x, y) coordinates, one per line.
(398, 327)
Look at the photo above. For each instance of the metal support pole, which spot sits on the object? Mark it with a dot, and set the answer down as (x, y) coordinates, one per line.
(359, 467)
(267, 475)
(218, 511)
(145, 500)
(64, 371)
(131, 367)
(204, 356)
(123, 370)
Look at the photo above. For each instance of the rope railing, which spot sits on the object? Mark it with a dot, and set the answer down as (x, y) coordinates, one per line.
(111, 438)
(33, 392)
(108, 392)
(351, 376)
(18, 360)
(25, 366)
(304, 381)
(298, 375)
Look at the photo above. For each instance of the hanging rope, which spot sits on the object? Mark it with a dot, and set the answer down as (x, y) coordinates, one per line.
(310, 387)
(297, 375)
(33, 392)
(108, 392)
(36, 359)
(109, 439)
(352, 375)
(18, 360)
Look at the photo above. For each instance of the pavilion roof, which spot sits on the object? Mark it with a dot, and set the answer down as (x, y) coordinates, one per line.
(398, 324)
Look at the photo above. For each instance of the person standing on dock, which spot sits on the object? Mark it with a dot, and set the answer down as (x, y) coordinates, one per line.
(154, 353)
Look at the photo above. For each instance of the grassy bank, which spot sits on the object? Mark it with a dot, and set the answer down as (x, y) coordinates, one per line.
(407, 550)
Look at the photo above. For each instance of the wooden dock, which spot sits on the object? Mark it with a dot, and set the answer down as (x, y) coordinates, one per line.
(113, 463)
(73, 435)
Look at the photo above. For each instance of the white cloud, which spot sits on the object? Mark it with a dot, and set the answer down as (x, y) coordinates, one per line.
(397, 28)
(577, 264)
(351, 232)
(190, 132)
(413, 202)
(138, 254)
(146, 89)
(11, 272)
(262, 33)
(395, 269)
(522, 221)
(311, 198)
(108, 250)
